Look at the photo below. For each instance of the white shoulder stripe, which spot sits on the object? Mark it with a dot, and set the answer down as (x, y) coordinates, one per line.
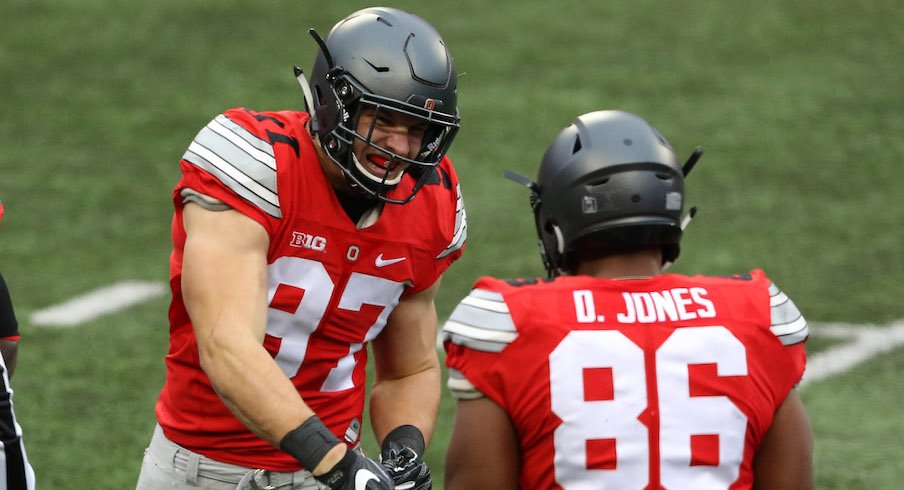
(778, 299)
(486, 294)
(240, 183)
(477, 333)
(257, 148)
(787, 323)
(241, 160)
(482, 322)
(788, 328)
(461, 225)
(486, 304)
(460, 387)
(795, 337)
(486, 309)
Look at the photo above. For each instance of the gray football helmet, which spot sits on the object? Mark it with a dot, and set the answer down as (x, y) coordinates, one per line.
(387, 60)
(608, 183)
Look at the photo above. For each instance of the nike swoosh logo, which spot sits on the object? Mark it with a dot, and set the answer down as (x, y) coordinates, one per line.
(381, 262)
(362, 477)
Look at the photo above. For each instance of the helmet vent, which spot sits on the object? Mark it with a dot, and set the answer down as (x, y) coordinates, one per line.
(598, 182)
(577, 145)
(378, 69)
(663, 176)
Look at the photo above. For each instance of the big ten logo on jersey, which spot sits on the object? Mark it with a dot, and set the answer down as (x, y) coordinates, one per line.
(308, 241)
(647, 306)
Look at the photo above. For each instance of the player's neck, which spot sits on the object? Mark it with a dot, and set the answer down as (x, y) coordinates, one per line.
(642, 264)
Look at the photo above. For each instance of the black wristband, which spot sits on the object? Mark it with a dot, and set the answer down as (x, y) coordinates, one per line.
(408, 436)
(309, 442)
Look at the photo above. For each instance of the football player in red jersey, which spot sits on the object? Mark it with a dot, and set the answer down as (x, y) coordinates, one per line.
(299, 239)
(613, 374)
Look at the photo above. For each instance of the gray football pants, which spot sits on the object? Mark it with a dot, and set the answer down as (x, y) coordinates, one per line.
(167, 465)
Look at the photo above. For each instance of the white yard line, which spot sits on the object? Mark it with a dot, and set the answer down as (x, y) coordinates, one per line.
(867, 342)
(95, 304)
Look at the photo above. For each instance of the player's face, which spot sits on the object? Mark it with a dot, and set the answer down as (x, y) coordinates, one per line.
(399, 133)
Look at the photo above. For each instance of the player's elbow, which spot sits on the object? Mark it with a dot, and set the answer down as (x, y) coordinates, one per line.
(214, 354)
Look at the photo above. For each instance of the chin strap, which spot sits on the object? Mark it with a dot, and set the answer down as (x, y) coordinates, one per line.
(552, 269)
(686, 169)
(308, 99)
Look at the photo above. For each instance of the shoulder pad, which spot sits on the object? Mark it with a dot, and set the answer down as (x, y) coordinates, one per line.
(239, 159)
(788, 324)
(482, 322)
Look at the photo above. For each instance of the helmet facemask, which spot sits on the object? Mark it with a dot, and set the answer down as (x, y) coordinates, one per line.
(388, 61)
(352, 102)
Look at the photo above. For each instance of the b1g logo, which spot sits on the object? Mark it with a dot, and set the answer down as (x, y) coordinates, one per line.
(310, 242)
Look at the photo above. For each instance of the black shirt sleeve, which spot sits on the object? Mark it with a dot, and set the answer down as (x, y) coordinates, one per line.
(8, 325)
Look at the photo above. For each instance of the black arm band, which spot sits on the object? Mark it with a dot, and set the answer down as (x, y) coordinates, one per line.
(309, 442)
(408, 436)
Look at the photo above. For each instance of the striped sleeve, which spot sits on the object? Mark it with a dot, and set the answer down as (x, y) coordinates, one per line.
(239, 159)
(788, 324)
(461, 388)
(481, 323)
(461, 226)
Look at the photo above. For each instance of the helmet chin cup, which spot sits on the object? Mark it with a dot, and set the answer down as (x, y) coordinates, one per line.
(373, 178)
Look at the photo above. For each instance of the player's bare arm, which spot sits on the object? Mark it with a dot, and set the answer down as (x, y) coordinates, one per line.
(407, 385)
(225, 287)
(483, 452)
(784, 460)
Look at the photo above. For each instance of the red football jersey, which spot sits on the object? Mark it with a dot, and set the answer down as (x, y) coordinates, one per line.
(332, 285)
(668, 382)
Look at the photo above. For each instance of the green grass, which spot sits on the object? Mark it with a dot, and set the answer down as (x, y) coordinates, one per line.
(798, 104)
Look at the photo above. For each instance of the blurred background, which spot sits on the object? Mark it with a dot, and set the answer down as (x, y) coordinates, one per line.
(799, 106)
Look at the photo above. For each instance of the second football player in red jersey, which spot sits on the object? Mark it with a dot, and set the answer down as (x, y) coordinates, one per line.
(300, 238)
(612, 374)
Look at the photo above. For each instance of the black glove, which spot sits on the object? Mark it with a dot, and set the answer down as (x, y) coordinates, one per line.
(356, 472)
(311, 441)
(401, 457)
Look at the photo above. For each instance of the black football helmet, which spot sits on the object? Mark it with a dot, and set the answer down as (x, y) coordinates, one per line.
(608, 183)
(388, 60)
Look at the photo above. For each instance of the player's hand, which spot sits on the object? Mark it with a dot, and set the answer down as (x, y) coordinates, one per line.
(356, 472)
(406, 468)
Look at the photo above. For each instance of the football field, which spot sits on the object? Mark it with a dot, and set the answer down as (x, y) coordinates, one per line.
(799, 106)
